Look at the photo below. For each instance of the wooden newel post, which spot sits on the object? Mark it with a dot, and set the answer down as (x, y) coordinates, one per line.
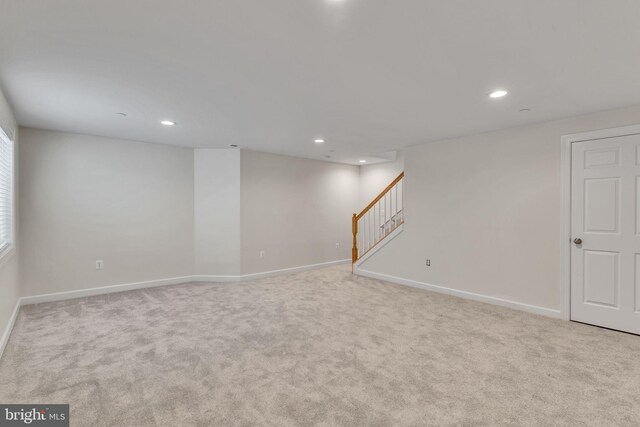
(354, 229)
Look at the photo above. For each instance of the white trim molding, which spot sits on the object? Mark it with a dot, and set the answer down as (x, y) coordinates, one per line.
(262, 275)
(7, 331)
(543, 311)
(565, 204)
(81, 293)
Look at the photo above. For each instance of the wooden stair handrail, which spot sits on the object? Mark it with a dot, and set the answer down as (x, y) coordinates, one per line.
(380, 196)
(356, 217)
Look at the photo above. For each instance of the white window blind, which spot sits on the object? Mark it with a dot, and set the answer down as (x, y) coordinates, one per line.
(6, 192)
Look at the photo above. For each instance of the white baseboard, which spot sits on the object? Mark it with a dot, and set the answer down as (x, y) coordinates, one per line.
(264, 274)
(201, 278)
(7, 331)
(462, 294)
(81, 293)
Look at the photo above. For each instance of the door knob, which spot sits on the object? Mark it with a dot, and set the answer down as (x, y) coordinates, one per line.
(577, 241)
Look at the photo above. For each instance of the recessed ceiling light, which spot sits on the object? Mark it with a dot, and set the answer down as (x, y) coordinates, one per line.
(168, 123)
(318, 140)
(363, 161)
(498, 93)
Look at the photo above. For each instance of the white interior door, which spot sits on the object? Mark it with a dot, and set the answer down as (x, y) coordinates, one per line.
(605, 226)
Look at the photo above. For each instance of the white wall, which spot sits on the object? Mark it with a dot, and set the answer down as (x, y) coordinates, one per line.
(217, 212)
(84, 198)
(295, 210)
(375, 178)
(9, 280)
(155, 212)
(486, 210)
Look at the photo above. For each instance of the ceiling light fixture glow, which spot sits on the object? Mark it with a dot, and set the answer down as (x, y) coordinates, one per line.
(168, 123)
(499, 93)
(318, 140)
(363, 161)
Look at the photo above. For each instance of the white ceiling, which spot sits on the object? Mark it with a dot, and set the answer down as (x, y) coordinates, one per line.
(367, 75)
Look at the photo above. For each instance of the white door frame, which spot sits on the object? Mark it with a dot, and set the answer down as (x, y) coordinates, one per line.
(565, 205)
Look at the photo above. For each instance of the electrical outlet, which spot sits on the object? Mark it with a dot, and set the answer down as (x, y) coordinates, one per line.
(337, 245)
(263, 254)
(99, 264)
(428, 263)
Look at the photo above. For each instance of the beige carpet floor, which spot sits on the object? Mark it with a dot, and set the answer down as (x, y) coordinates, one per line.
(316, 348)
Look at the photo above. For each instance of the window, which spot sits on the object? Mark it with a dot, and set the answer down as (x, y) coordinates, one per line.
(6, 193)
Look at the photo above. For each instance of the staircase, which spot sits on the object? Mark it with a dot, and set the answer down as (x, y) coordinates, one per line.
(380, 221)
